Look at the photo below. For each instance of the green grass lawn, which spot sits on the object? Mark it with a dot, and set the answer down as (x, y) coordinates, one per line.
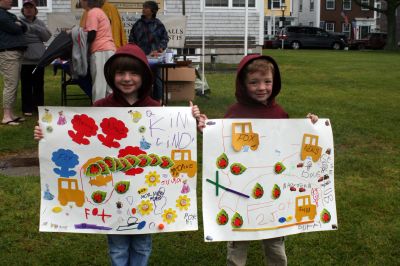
(359, 91)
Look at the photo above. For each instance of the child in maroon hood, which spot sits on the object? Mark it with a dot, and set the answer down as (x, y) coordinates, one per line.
(258, 82)
(128, 74)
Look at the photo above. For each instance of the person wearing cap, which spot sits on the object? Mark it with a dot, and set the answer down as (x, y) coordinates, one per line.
(101, 45)
(32, 85)
(149, 33)
(12, 46)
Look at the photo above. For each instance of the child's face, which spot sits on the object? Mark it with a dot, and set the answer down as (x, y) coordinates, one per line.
(128, 82)
(259, 85)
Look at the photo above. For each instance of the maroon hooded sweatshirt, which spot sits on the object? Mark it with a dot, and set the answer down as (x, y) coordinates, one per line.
(246, 107)
(116, 99)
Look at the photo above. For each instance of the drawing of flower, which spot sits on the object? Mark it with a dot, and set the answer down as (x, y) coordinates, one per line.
(152, 178)
(183, 203)
(145, 207)
(169, 216)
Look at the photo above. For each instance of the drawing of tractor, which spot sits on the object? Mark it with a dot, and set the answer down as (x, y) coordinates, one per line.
(183, 163)
(68, 190)
(304, 208)
(245, 137)
(310, 147)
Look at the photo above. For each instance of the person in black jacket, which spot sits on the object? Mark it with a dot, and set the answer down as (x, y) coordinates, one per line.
(32, 84)
(12, 46)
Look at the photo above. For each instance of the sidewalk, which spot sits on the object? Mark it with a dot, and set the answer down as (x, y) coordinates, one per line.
(20, 164)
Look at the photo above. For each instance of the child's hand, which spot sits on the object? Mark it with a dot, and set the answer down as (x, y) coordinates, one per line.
(313, 117)
(200, 118)
(201, 122)
(195, 110)
(37, 133)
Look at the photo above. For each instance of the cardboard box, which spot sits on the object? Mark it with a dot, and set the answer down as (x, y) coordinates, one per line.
(181, 86)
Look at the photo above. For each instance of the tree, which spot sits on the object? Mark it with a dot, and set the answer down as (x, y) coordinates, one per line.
(389, 10)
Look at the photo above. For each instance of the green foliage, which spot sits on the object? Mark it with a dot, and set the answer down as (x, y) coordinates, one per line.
(358, 91)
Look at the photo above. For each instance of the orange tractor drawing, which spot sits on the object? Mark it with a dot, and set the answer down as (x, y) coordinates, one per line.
(305, 208)
(183, 163)
(245, 137)
(310, 147)
(68, 190)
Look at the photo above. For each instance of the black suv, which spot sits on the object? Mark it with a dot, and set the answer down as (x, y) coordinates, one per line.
(297, 37)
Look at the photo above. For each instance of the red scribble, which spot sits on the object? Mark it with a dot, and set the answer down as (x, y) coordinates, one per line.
(84, 126)
(113, 129)
(129, 150)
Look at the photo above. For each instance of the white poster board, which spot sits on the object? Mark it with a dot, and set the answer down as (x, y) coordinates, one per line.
(118, 170)
(267, 178)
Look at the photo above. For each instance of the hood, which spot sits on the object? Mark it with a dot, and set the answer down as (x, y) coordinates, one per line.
(241, 91)
(134, 51)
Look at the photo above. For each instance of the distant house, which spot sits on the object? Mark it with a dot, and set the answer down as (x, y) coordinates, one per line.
(278, 13)
(343, 16)
(347, 17)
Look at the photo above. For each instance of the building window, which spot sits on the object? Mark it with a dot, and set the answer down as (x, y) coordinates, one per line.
(330, 4)
(365, 2)
(242, 3)
(276, 4)
(330, 26)
(346, 4)
(300, 5)
(218, 3)
(230, 3)
(378, 14)
(346, 29)
(311, 24)
(311, 5)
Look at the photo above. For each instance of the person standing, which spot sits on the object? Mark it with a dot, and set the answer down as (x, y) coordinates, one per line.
(150, 35)
(117, 27)
(101, 45)
(258, 83)
(32, 84)
(12, 46)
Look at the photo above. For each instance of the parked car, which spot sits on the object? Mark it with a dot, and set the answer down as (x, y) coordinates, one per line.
(297, 37)
(375, 40)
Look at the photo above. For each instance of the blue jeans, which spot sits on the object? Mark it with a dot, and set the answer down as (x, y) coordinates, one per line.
(132, 250)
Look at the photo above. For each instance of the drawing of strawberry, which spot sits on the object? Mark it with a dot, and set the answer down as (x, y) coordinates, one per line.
(258, 191)
(222, 217)
(237, 221)
(325, 216)
(99, 196)
(237, 168)
(276, 192)
(279, 168)
(122, 187)
(222, 161)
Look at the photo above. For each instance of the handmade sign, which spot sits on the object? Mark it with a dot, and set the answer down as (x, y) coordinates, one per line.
(267, 178)
(118, 170)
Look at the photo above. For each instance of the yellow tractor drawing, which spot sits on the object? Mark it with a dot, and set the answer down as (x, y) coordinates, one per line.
(304, 208)
(245, 136)
(68, 190)
(310, 147)
(183, 163)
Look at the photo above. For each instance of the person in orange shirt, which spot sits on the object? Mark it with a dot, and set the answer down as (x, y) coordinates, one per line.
(117, 27)
(100, 44)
